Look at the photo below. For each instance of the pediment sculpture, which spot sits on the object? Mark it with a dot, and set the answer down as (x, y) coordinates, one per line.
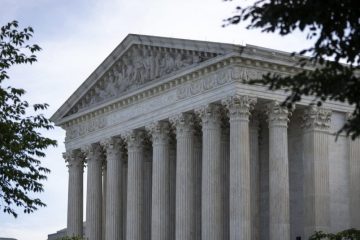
(139, 65)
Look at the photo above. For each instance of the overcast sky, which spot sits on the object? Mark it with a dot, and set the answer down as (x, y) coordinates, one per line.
(76, 36)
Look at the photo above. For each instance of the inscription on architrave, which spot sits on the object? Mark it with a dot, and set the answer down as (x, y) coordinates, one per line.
(139, 65)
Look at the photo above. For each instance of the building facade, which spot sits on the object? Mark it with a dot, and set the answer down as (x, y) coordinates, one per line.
(177, 146)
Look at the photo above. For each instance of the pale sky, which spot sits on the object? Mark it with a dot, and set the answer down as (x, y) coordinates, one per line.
(76, 36)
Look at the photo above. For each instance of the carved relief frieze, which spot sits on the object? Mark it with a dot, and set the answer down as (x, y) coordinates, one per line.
(86, 127)
(139, 65)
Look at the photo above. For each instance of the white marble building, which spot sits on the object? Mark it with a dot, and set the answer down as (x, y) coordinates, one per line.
(176, 146)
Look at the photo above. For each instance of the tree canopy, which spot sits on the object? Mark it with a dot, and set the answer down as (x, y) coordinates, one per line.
(335, 55)
(21, 143)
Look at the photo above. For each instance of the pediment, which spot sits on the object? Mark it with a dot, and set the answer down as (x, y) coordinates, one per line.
(139, 65)
(138, 60)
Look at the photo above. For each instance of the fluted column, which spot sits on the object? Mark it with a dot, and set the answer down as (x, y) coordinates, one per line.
(316, 125)
(225, 172)
(279, 207)
(211, 212)
(185, 177)
(255, 177)
(75, 162)
(94, 159)
(354, 175)
(114, 157)
(136, 148)
(240, 198)
(198, 176)
(160, 213)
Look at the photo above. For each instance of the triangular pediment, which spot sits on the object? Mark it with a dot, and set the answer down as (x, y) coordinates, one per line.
(137, 61)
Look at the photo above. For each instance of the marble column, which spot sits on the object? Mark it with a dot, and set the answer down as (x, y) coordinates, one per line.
(136, 157)
(113, 214)
(211, 212)
(354, 175)
(279, 201)
(316, 125)
(198, 176)
(255, 176)
(75, 162)
(240, 197)
(185, 177)
(104, 186)
(94, 157)
(225, 172)
(160, 213)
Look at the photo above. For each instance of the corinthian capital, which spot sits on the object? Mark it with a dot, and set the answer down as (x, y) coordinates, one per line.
(74, 158)
(278, 115)
(113, 146)
(183, 122)
(92, 152)
(239, 106)
(135, 139)
(316, 118)
(159, 132)
(210, 114)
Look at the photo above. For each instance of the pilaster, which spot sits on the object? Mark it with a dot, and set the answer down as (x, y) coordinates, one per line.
(316, 125)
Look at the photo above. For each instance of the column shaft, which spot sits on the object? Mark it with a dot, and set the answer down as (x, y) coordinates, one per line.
(211, 212)
(113, 206)
(316, 170)
(185, 178)
(278, 173)
(134, 223)
(94, 192)
(255, 178)
(160, 214)
(240, 198)
(75, 194)
(354, 155)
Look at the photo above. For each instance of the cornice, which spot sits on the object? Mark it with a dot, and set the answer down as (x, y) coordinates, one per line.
(171, 82)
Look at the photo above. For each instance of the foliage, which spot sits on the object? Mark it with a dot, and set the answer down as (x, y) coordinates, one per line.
(335, 27)
(21, 144)
(70, 238)
(350, 234)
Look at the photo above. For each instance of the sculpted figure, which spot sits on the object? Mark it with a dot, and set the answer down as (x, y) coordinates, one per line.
(169, 62)
(178, 61)
(148, 64)
(195, 59)
(129, 72)
(139, 69)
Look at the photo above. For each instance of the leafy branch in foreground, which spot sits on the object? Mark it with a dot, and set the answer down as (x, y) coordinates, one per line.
(350, 234)
(21, 143)
(335, 27)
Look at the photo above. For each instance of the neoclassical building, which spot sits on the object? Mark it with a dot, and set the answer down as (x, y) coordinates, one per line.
(177, 146)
